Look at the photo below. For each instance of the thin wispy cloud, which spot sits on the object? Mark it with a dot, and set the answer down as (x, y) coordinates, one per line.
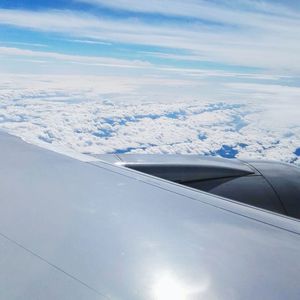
(24, 44)
(259, 40)
(252, 13)
(94, 60)
(90, 42)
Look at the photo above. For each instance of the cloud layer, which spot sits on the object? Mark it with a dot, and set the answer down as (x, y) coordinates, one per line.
(60, 119)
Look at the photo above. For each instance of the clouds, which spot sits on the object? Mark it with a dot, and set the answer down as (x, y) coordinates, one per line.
(252, 35)
(210, 77)
(65, 118)
(242, 13)
(92, 60)
(209, 50)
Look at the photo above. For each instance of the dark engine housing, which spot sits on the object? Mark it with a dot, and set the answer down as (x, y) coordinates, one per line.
(270, 185)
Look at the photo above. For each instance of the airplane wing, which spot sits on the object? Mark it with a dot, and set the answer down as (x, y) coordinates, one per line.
(72, 229)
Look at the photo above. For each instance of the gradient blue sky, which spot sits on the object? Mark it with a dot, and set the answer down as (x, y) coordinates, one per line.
(198, 47)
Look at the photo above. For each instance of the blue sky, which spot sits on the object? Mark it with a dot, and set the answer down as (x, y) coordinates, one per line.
(204, 47)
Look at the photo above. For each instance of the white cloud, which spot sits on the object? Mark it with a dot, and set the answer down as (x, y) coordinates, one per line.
(89, 42)
(278, 94)
(242, 13)
(54, 114)
(23, 44)
(94, 60)
(257, 40)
